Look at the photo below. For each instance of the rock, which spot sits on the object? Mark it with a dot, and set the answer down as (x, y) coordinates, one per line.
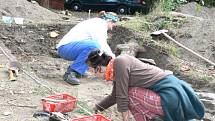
(129, 48)
(53, 34)
(3, 36)
(7, 113)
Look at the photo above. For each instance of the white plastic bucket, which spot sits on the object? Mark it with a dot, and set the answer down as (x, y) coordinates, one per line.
(18, 20)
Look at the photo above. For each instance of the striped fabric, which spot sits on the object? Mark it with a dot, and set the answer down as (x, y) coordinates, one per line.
(144, 104)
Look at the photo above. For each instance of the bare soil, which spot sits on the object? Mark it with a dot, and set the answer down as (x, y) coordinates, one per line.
(32, 45)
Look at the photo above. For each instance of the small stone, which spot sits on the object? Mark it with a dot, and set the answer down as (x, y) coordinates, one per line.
(7, 113)
(53, 34)
(211, 67)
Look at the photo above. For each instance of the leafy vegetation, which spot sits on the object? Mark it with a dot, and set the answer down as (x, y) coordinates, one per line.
(175, 51)
(208, 3)
(169, 5)
(205, 77)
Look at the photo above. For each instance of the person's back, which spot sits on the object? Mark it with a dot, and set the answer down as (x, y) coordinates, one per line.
(94, 29)
(140, 74)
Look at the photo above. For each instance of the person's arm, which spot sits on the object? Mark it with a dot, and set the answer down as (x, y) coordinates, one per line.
(106, 48)
(100, 35)
(104, 45)
(107, 101)
(121, 72)
(125, 116)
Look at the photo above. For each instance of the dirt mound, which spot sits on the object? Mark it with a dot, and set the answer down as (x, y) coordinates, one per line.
(196, 34)
(32, 12)
(196, 10)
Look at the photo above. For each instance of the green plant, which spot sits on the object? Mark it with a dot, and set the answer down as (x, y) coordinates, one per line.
(174, 51)
(209, 3)
(169, 5)
(135, 24)
(205, 77)
(198, 8)
(167, 22)
(83, 108)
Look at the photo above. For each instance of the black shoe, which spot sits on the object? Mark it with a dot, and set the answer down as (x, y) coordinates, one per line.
(71, 78)
(81, 76)
(76, 74)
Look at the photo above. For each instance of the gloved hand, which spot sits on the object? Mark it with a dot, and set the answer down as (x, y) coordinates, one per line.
(95, 110)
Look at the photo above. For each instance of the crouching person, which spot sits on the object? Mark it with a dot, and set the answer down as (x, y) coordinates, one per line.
(83, 38)
(150, 93)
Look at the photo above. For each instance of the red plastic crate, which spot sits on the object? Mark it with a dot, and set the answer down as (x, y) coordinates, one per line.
(59, 103)
(96, 117)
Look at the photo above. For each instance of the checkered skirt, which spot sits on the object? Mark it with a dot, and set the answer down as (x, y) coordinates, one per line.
(144, 104)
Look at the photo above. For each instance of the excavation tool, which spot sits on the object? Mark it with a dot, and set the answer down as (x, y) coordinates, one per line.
(13, 69)
(164, 32)
(53, 116)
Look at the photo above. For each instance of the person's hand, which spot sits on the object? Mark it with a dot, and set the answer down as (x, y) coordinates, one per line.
(91, 70)
(95, 110)
(99, 72)
(98, 69)
(125, 115)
